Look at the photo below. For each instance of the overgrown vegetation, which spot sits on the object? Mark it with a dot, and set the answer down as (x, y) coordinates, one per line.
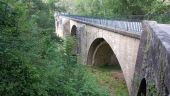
(123, 9)
(112, 78)
(34, 62)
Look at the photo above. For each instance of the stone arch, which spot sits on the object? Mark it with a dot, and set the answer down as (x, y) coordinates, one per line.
(101, 53)
(142, 88)
(74, 31)
(74, 35)
(166, 91)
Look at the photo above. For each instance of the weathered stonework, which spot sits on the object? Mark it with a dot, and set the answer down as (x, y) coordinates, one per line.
(152, 70)
(124, 45)
(148, 75)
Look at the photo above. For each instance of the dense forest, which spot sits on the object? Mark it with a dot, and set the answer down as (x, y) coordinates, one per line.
(157, 10)
(35, 62)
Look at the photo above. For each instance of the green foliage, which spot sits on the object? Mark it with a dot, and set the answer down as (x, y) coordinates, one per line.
(152, 90)
(105, 77)
(76, 81)
(150, 9)
(34, 62)
(16, 74)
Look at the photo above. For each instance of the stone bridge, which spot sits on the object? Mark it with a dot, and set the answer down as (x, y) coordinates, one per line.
(103, 41)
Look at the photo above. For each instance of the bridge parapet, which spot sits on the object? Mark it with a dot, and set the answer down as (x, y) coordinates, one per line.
(131, 26)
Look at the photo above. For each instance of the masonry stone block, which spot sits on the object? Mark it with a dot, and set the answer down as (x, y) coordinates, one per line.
(152, 70)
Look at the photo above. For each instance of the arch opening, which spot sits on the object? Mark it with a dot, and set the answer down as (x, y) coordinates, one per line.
(74, 35)
(166, 92)
(142, 88)
(101, 54)
(104, 56)
(102, 59)
(74, 31)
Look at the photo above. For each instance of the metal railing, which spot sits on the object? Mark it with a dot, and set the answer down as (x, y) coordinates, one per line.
(130, 25)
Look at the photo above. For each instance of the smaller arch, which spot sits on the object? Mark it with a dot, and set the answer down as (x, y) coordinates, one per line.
(74, 31)
(166, 92)
(142, 88)
(74, 35)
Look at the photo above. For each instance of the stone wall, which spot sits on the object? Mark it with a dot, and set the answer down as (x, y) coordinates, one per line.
(152, 67)
(123, 44)
(62, 26)
(152, 71)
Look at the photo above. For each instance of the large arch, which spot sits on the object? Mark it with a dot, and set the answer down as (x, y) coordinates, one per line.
(100, 53)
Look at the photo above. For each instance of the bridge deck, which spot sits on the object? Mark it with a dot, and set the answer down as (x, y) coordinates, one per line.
(132, 26)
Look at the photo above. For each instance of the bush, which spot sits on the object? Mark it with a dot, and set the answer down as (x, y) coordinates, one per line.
(34, 63)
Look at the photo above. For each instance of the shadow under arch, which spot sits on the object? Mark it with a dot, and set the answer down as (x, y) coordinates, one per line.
(74, 35)
(74, 31)
(142, 88)
(100, 52)
(166, 91)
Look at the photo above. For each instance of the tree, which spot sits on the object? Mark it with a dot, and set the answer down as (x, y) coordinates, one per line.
(122, 8)
(34, 62)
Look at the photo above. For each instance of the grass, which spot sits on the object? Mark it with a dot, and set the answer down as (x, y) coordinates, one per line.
(110, 77)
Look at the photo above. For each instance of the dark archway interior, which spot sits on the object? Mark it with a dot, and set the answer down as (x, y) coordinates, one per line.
(102, 58)
(74, 35)
(166, 92)
(74, 31)
(100, 53)
(104, 55)
(142, 88)
(92, 48)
